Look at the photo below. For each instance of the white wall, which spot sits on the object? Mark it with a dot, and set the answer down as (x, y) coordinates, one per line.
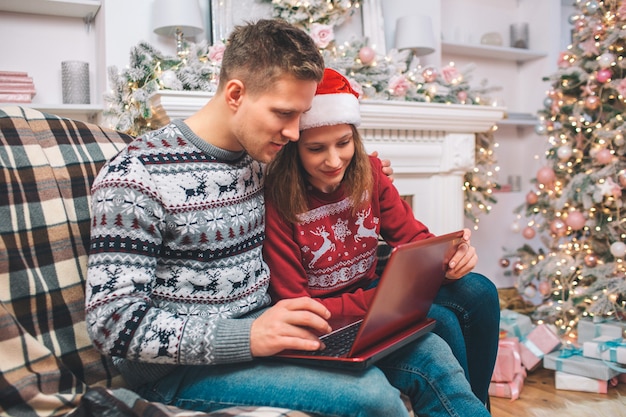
(38, 44)
(520, 148)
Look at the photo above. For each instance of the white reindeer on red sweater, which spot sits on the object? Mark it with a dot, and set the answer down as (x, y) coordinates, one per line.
(362, 231)
(327, 245)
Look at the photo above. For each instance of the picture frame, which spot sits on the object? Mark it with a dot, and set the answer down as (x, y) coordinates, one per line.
(223, 15)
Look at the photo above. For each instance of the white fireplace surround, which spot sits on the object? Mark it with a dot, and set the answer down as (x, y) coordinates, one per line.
(430, 146)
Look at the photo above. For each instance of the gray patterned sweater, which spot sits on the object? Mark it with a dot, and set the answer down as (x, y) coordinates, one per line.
(175, 265)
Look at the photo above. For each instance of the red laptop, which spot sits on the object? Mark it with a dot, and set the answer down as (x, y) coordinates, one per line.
(397, 316)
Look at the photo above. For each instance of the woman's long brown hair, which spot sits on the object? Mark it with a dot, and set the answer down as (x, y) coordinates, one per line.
(285, 182)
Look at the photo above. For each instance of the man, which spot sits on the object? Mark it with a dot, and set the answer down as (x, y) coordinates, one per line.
(176, 279)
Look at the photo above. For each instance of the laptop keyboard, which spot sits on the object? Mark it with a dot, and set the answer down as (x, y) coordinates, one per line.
(338, 343)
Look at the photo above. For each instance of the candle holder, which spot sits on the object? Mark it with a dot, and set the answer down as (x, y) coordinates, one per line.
(519, 35)
(75, 81)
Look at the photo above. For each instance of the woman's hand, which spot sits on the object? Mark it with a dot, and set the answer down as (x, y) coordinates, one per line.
(464, 259)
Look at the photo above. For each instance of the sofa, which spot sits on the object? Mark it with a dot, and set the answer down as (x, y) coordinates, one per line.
(47, 362)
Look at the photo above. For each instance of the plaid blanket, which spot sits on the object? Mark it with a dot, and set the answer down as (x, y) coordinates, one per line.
(48, 365)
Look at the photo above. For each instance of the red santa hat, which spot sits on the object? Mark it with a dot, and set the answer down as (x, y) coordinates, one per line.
(335, 102)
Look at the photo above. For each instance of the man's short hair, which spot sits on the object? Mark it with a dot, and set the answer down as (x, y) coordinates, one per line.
(258, 53)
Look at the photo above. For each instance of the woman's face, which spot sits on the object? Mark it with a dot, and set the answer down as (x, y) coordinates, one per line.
(325, 153)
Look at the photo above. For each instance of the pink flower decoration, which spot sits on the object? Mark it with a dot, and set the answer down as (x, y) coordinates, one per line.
(322, 35)
(610, 188)
(449, 73)
(563, 61)
(589, 47)
(399, 85)
(216, 52)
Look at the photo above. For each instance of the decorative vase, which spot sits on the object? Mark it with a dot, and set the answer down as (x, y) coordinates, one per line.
(75, 81)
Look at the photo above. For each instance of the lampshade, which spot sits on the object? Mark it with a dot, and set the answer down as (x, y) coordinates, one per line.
(416, 33)
(169, 15)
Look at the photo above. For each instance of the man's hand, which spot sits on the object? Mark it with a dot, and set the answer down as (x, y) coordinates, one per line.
(464, 259)
(290, 324)
(387, 170)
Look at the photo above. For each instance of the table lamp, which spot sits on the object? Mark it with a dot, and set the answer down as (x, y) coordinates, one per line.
(415, 32)
(177, 18)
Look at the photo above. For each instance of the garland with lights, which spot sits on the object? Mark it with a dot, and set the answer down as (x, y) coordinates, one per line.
(390, 77)
(314, 12)
(577, 208)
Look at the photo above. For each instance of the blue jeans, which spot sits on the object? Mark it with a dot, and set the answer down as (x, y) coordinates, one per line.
(425, 370)
(468, 319)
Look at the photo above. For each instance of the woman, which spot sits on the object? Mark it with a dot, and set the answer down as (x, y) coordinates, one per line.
(326, 205)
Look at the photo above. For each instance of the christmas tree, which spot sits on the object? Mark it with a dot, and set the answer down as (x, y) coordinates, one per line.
(576, 208)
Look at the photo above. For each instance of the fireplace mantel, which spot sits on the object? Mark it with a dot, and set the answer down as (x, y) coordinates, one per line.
(430, 146)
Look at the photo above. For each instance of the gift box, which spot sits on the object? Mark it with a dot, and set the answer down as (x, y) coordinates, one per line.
(606, 348)
(515, 324)
(510, 390)
(508, 361)
(571, 382)
(573, 362)
(541, 340)
(589, 329)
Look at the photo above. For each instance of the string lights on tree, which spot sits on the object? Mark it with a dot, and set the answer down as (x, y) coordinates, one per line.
(577, 207)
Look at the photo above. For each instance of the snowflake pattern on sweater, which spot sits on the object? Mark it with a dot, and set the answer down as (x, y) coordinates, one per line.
(176, 251)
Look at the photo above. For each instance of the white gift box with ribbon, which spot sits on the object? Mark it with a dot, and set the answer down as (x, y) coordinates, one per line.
(606, 348)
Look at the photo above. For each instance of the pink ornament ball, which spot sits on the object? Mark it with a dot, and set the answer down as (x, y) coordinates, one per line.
(592, 102)
(545, 175)
(618, 249)
(591, 260)
(531, 198)
(367, 55)
(604, 156)
(603, 75)
(528, 232)
(575, 220)
(430, 75)
(558, 227)
(462, 96)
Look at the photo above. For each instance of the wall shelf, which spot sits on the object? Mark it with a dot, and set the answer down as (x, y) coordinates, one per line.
(519, 119)
(85, 9)
(86, 112)
(493, 52)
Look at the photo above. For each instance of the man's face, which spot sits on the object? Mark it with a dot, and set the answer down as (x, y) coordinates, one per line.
(267, 121)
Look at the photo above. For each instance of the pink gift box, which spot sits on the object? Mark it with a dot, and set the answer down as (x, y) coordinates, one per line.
(508, 361)
(510, 390)
(540, 341)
